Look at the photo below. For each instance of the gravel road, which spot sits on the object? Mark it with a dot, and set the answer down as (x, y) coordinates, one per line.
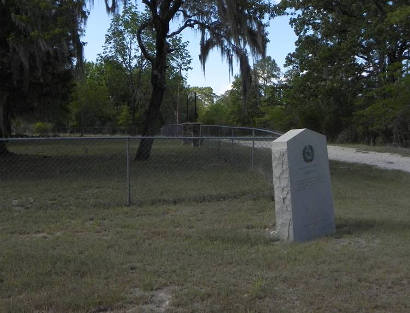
(351, 155)
(383, 160)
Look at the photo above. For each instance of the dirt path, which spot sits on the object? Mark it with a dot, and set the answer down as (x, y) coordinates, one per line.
(383, 160)
(352, 155)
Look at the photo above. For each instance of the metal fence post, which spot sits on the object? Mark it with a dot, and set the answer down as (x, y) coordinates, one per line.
(232, 134)
(128, 172)
(200, 132)
(218, 143)
(253, 147)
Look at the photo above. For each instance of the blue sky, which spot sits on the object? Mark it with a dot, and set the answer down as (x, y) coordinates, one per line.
(281, 36)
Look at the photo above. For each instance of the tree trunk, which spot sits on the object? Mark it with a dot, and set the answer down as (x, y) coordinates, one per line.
(152, 122)
(135, 86)
(4, 123)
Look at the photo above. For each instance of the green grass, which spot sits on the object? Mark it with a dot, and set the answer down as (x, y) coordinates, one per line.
(67, 174)
(209, 254)
(384, 149)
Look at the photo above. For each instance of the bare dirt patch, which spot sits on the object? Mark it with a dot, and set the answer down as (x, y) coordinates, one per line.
(382, 160)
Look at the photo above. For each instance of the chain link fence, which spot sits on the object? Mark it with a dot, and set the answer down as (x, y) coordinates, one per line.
(102, 171)
(201, 130)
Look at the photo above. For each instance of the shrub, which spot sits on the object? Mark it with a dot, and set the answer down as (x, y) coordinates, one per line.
(42, 128)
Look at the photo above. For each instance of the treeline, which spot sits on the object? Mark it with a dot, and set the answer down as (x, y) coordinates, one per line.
(111, 94)
(40, 52)
(348, 77)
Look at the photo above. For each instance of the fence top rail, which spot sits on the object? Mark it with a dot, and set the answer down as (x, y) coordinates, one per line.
(15, 139)
(246, 128)
(274, 132)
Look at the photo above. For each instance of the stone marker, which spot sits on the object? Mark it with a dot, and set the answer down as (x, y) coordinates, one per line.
(301, 178)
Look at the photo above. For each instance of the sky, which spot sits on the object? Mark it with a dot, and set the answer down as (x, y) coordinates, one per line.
(281, 42)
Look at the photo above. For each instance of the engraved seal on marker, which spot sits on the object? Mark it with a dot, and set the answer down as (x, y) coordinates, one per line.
(308, 153)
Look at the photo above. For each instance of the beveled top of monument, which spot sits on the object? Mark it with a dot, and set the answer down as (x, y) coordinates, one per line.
(291, 134)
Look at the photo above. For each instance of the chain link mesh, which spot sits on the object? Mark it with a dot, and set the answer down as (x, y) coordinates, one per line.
(65, 172)
(62, 173)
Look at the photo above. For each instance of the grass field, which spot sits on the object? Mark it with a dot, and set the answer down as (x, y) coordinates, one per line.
(211, 253)
(93, 173)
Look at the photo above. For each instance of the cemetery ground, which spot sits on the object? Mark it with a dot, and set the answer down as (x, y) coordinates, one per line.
(196, 239)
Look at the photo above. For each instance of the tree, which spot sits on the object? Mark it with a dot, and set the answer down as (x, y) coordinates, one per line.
(122, 49)
(206, 95)
(385, 112)
(268, 109)
(373, 33)
(263, 93)
(122, 54)
(231, 26)
(90, 105)
(39, 43)
(345, 50)
(267, 73)
(215, 114)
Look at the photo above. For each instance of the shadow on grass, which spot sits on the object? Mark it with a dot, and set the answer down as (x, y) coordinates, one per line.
(352, 226)
(253, 195)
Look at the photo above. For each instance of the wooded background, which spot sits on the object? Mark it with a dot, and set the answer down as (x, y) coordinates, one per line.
(348, 77)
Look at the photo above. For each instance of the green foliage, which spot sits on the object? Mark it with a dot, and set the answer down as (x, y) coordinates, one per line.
(42, 128)
(205, 101)
(235, 28)
(233, 99)
(215, 114)
(347, 76)
(179, 59)
(267, 74)
(385, 111)
(40, 49)
(91, 105)
(127, 72)
(124, 118)
(103, 97)
(120, 44)
(206, 95)
(274, 117)
(262, 93)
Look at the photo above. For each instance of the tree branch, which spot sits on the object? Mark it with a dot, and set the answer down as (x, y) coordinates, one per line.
(403, 46)
(188, 23)
(185, 14)
(152, 5)
(144, 50)
(362, 57)
(173, 9)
